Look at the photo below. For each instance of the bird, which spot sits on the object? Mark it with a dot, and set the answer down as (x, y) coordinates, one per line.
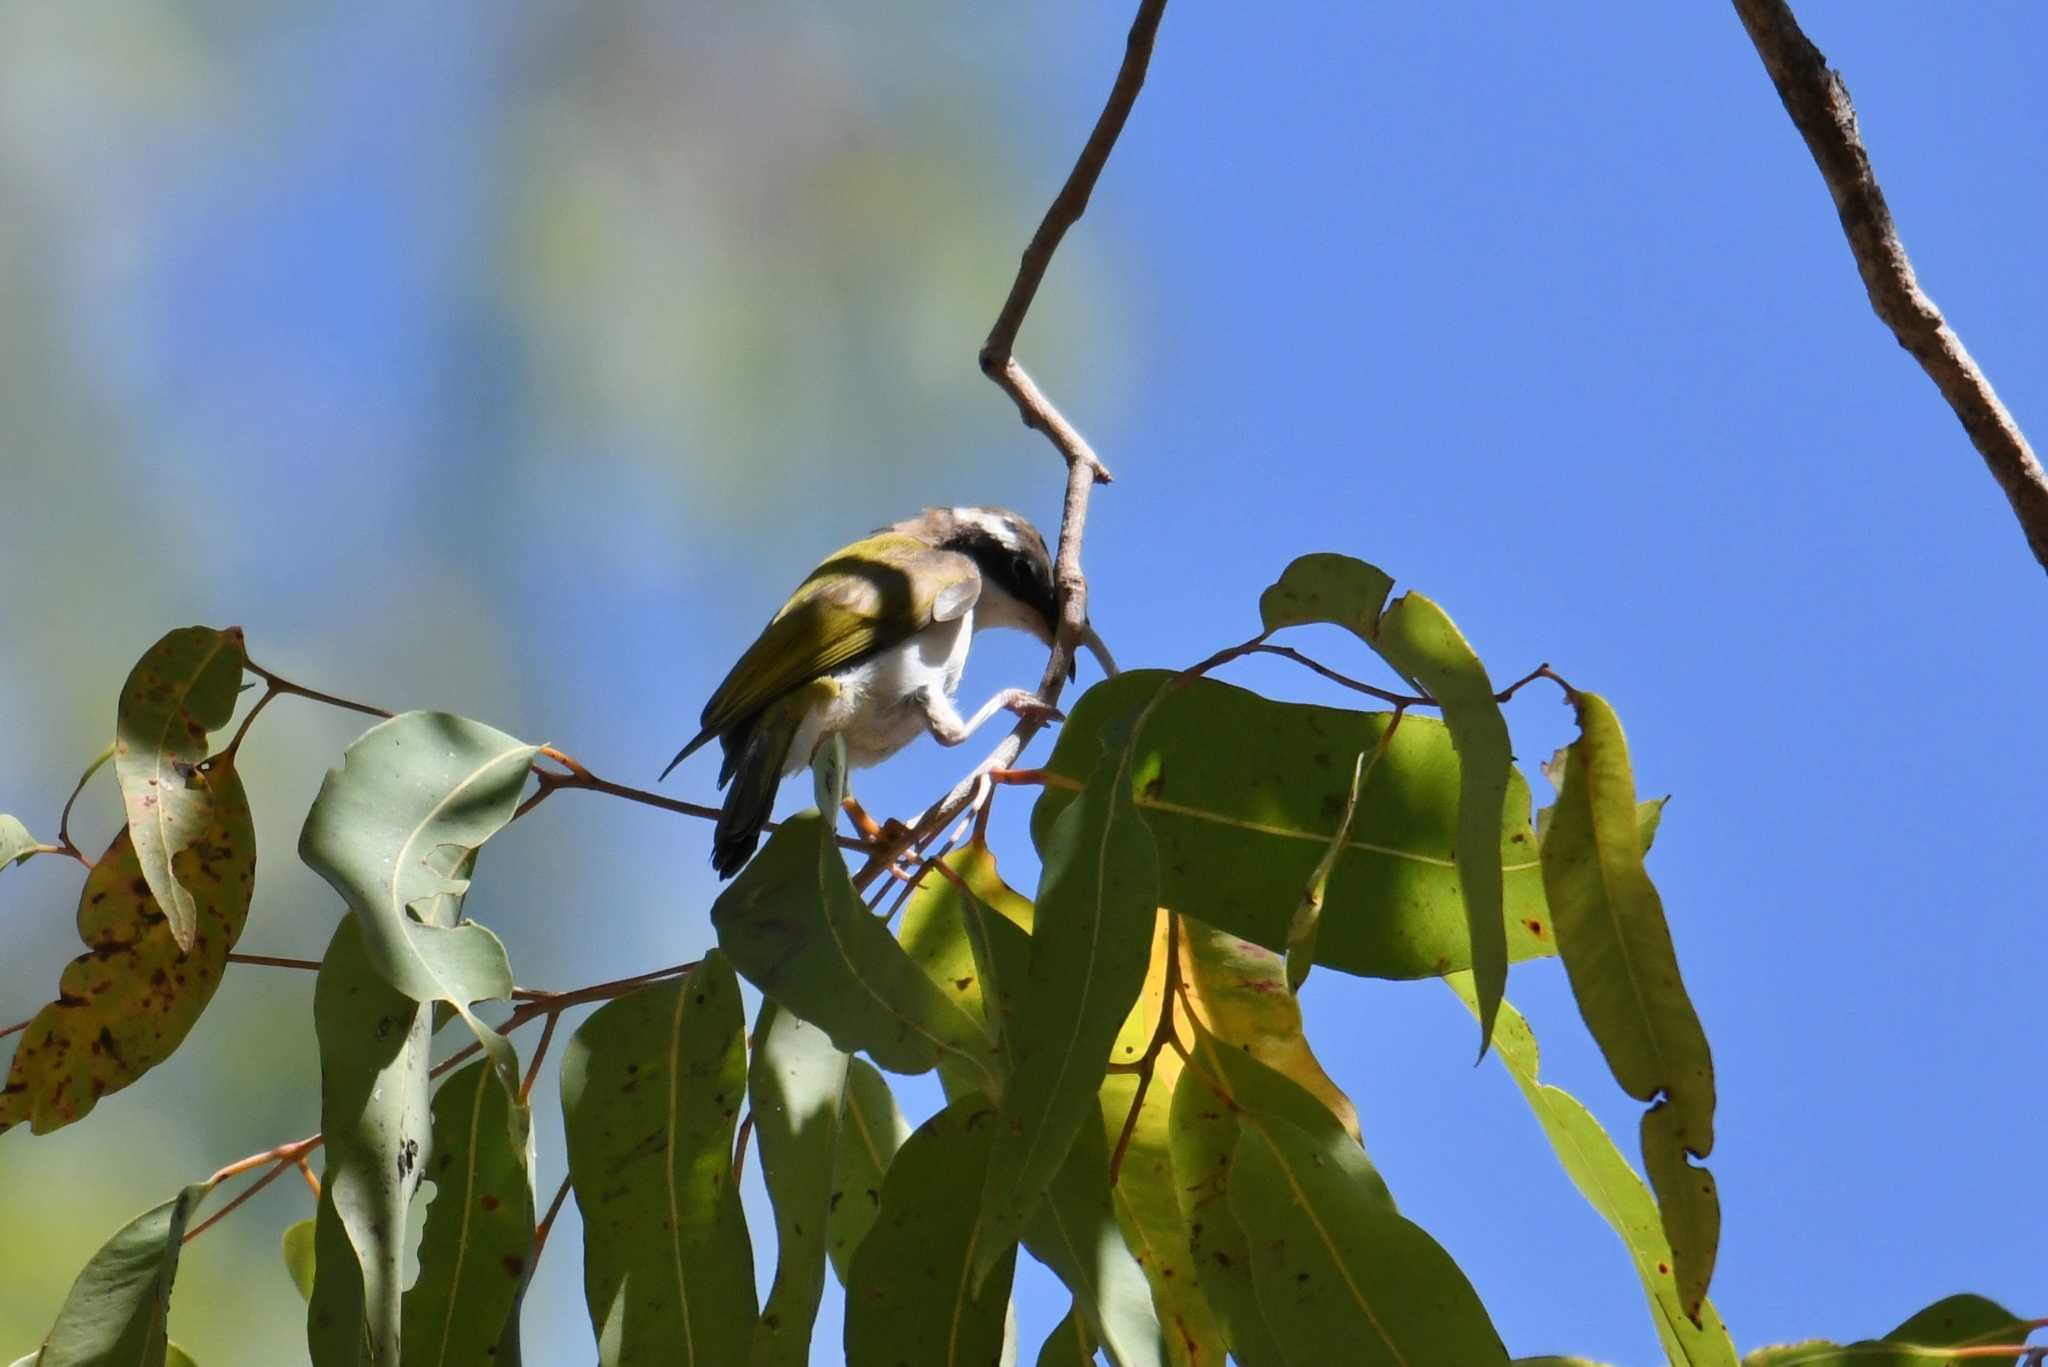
(870, 647)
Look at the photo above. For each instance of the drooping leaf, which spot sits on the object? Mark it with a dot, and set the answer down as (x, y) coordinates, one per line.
(1612, 1188)
(1420, 640)
(479, 1228)
(911, 1296)
(125, 1004)
(1263, 1095)
(1332, 1263)
(1308, 913)
(1325, 587)
(396, 829)
(1146, 1195)
(1204, 1134)
(16, 844)
(184, 687)
(1240, 827)
(651, 1088)
(1926, 1339)
(792, 923)
(871, 1130)
(1239, 993)
(796, 1087)
(1090, 942)
(374, 1113)
(296, 1247)
(117, 1308)
(1649, 812)
(1074, 1232)
(1617, 951)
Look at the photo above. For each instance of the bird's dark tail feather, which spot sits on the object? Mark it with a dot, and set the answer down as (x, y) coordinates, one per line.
(755, 766)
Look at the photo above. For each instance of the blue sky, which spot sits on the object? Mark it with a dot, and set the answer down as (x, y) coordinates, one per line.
(504, 359)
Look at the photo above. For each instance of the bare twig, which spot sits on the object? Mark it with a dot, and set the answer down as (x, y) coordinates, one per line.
(547, 1222)
(273, 961)
(1818, 102)
(1084, 468)
(282, 1159)
(280, 684)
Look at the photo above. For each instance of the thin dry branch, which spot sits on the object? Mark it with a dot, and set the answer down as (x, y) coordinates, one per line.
(1818, 102)
(1084, 469)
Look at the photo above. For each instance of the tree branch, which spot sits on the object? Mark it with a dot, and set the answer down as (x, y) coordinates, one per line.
(1818, 102)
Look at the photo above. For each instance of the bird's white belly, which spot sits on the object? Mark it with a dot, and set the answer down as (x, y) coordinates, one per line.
(876, 706)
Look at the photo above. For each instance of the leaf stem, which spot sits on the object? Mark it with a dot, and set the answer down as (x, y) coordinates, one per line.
(280, 684)
(274, 961)
(281, 1159)
(1162, 1034)
(65, 844)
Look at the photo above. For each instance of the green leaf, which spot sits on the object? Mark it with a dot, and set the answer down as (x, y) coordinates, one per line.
(951, 931)
(373, 1111)
(1324, 587)
(1069, 1344)
(1617, 950)
(1612, 1188)
(1927, 1339)
(871, 1130)
(184, 687)
(1420, 640)
(395, 830)
(1649, 812)
(651, 1089)
(796, 1086)
(1264, 1095)
(116, 1309)
(1333, 1263)
(1308, 914)
(16, 844)
(911, 1296)
(479, 1227)
(297, 1249)
(1961, 1321)
(1240, 827)
(174, 1356)
(1239, 994)
(129, 1001)
(1075, 1233)
(793, 924)
(1204, 1135)
(1091, 940)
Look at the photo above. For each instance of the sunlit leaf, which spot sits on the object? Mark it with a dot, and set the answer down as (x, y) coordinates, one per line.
(1649, 812)
(296, 1247)
(116, 1309)
(871, 1130)
(1091, 939)
(651, 1088)
(947, 931)
(1927, 1339)
(1617, 950)
(396, 829)
(1961, 1321)
(479, 1229)
(1308, 913)
(1612, 1188)
(1239, 993)
(911, 1296)
(1240, 826)
(373, 1111)
(1324, 587)
(1332, 1263)
(16, 844)
(1204, 1134)
(1420, 640)
(125, 1004)
(792, 923)
(796, 1087)
(184, 687)
(1075, 1232)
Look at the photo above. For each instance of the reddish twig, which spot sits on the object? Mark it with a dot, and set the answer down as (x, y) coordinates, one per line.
(1162, 1032)
(282, 1159)
(273, 961)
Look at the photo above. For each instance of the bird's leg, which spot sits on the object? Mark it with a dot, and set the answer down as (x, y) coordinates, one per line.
(943, 720)
(872, 831)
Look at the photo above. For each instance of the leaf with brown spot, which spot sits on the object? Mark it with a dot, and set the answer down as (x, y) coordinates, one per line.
(129, 1001)
(184, 687)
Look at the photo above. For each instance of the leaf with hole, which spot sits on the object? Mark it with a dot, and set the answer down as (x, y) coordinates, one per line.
(479, 1229)
(1240, 826)
(1624, 972)
(792, 923)
(129, 1001)
(183, 687)
(652, 1084)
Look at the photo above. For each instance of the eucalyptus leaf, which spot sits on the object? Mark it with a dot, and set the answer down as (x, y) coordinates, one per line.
(971, 935)
(1069, 1344)
(1928, 1338)
(1624, 972)
(1203, 1135)
(129, 1001)
(16, 844)
(871, 1130)
(1090, 943)
(1240, 827)
(1075, 1232)
(796, 1089)
(792, 923)
(395, 830)
(117, 1309)
(1326, 587)
(912, 1296)
(374, 1114)
(183, 687)
(1612, 1188)
(651, 1088)
(479, 1229)
(296, 1248)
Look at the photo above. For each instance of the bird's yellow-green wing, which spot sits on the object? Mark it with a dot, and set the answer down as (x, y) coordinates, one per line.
(872, 595)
